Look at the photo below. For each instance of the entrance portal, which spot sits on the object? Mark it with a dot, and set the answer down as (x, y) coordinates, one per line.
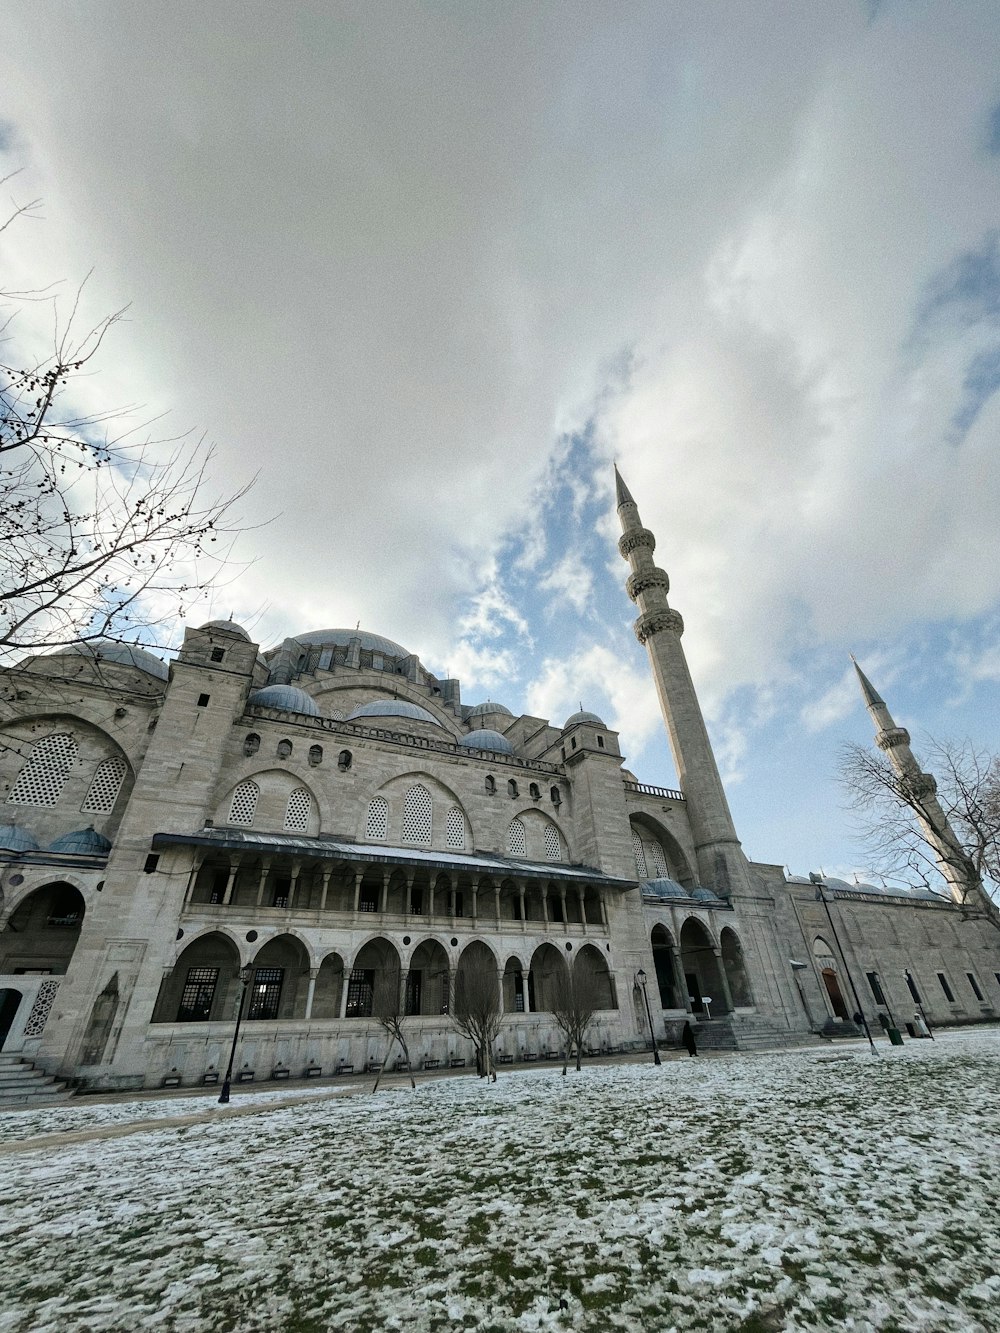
(833, 990)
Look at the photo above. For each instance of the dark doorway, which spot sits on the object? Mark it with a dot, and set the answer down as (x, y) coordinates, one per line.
(10, 1002)
(833, 990)
(694, 991)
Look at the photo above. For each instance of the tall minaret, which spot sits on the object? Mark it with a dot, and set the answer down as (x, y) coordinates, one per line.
(721, 863)
(919, 790)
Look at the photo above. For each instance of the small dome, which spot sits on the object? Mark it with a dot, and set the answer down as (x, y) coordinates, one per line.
(583, 716)
(392, 708)
(664, 888)
(487, 740)
(84, 842)
(229, 626)
(285, 698)
(703, 894)
(14, 839)
(340, 638)
(128, 654)
(483, 710)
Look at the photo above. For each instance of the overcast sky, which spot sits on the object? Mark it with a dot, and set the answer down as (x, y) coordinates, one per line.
(430, 267)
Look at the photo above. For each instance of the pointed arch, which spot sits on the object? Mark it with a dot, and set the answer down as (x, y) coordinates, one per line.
(298, 810)
(41, 780)
(377, 827)
(105, 786)
(455, 828)
(735, 968)
(418, 815)
(516, 841)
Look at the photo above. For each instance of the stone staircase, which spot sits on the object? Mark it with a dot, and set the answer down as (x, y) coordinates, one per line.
(21, 1084)
(746, 1032)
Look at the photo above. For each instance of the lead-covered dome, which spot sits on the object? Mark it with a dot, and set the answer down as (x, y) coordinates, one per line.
(82, 842)
(285, 698)
(126, 654)
(392, 708)
(14, 839)
(484, 710)
(485, 739)
(664, 888)
(340, 638)
(229, 626)
(583, 716)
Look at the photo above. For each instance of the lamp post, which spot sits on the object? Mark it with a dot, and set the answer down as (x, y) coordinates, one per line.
(245, 974)
(821, 897)
(640, 977)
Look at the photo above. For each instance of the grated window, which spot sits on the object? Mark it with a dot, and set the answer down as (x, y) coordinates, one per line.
(41, 780)
(104, 788)
(553, 851)
(297, 812)
(417, 815)
(378, 818)
(197, 995)
(515, 839)
(455, 828)
(639, 854)
(659, 860)
(244, 804)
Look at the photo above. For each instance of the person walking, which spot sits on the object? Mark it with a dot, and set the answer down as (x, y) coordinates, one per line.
(688, 1041)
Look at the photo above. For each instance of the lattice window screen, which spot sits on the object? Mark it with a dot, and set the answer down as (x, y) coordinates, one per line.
(515, 839)
(658, 859)
(455, 828)
(41, 780)
(378, 818)
(244, 804)
(417, 815)
(639, 854)
(297, 812)
(104, 788)
(553, 848)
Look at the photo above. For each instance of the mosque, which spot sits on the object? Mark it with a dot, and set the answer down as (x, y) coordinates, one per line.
(295, 833)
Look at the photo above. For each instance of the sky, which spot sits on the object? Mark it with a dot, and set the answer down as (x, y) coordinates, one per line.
(427, 269)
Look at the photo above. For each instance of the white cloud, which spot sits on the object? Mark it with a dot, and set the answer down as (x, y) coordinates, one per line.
(570, 580)
(603, 683)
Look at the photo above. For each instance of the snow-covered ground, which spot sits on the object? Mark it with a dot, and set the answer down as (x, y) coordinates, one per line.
(811, 1190)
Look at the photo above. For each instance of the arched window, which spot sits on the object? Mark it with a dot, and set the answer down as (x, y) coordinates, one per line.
(315, 756)
(491, 784)
(553, 847)
(378, 818)
(515, 839)
(344, 760)
(104, 788)
(511, 787)
(554, 796)
(455, 828)
(284, 749)
(533, 791)
(297, 811)
(244, 804)
(252, 744)
(41, 780)
(417, 815)
(639, 854)
(658, 859)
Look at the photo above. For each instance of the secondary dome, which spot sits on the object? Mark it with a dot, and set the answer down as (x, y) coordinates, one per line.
(83, 842)
(229, 626)
(392, 708)
(483, 710)
(286, 698)
(128, 654)
(14, 839)
(340, 638)
(583, 716)
(487, 740)
(664, 888)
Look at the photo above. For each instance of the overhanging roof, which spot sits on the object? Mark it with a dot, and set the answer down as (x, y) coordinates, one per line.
(328, 849)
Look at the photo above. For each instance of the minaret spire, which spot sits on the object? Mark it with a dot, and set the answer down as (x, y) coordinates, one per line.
(919, 790)
(721, 862)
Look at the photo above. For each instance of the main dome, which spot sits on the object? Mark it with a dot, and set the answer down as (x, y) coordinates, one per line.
(127, 654)
(340, 638)
(286, 698)
(392, 708)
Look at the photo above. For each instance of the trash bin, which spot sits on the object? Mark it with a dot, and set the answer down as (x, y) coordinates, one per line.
(895, 1036)
(911, 1029)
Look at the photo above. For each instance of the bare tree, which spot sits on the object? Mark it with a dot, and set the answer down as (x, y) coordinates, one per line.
(899, 817)
(575, 998)
(477, 1012)
(389, 1010)
(106, 531)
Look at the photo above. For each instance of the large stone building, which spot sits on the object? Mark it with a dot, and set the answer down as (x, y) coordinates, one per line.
(328, 822)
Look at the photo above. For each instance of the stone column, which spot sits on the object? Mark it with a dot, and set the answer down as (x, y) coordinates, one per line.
(196, 864)
(234, 865)
(265, 870)
(545, 904)
(727, 994)
(562, 900)
(358, 877)
(384, 899)
(680, 978)
(325, 889)
(520, 893)
(311, 991)
(408, 905)
(583, 908)
(346, 989)
(431, 883)
(475, 899)
(604, 909)
(526, 990)
(496, 902)
(293, 881)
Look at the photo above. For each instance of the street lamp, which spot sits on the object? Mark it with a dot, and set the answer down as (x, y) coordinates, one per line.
(640, 977)
(245, 975)
(821, 897)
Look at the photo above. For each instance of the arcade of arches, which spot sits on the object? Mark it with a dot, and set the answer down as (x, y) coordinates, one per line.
(698, 975)
(43, 930)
